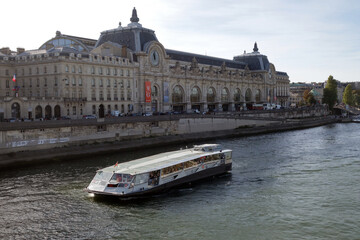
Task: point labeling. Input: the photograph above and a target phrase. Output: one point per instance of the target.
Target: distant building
(127, 69)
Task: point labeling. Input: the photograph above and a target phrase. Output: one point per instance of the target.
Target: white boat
(160, 172)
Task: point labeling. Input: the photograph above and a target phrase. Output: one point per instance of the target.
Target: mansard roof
(254, 60)
(281, 73)
(134, 36)
(61, 40)
(203, 59)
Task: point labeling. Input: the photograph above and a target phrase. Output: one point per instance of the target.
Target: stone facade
(73, 76)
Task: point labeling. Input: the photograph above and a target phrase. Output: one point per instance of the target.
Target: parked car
(64, 118)
(12, 119)
(89, 117)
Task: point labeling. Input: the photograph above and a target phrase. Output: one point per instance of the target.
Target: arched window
(257, 95)
(224, 95)
(211, 94)
(195, 94)
(154, 91)
(38, 112)
(237, 95)
(178, 94)
(48, 111)
(248, 95)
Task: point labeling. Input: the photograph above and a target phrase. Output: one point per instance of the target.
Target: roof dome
(134, 36)
(254, 60)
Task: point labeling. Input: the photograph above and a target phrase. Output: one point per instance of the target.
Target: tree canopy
(309, 97)
(348, 97)
(330, 92)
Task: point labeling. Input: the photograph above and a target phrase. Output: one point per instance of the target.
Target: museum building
(128, 70)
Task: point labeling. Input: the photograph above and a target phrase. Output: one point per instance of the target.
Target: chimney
(5, 51)
(20, 50)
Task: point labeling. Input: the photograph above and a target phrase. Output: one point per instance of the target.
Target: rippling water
(293, 185)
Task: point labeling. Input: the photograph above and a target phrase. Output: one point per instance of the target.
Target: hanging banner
(147, 91)
(166, 92)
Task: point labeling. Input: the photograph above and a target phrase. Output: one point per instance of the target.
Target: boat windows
(141, 178)
(125, 178)
(154, 178)
(172, 169)
(102, 176)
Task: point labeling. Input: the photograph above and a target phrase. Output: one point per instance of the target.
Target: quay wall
(28, 142)
(65, 136)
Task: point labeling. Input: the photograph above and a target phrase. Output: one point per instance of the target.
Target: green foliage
(330, 92)
(306, 94)
(356, 94)
(311, 99)
(348, 97)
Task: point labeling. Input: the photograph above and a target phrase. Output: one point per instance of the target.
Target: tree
(348, 97)
(330, 92)
(311, 99)
(356, 94)
(306, 95)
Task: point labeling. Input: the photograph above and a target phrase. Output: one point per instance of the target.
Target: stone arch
(248, 95)
(178, 94)
(195, 94)
(154, 90)
(38, 112)
(257, 95)
(211, 95)
(237, 95)
(225, 95)
(57, 111)
(48, 112)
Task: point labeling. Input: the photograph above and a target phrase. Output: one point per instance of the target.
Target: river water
(301, 184)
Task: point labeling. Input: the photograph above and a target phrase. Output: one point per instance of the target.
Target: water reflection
(290, 185)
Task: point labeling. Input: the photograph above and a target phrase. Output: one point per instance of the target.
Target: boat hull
(178, 182)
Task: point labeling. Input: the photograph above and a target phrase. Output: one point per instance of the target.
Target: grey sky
(308, 39)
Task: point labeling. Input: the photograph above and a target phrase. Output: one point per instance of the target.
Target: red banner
(147, 91)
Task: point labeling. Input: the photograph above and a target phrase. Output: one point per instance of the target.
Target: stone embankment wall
(22, 142)
(27, 139)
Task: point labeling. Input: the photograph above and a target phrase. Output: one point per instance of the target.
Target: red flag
(116, 164)
(147, 91)
(14, 78)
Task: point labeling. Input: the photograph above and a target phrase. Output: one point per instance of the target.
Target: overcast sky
(309, 40)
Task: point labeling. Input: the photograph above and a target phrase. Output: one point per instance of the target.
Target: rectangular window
(80, 81)
(7, 84)
(74, 110)
(93, 82)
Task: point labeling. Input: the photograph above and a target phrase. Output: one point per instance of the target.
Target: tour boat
(161, 172)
